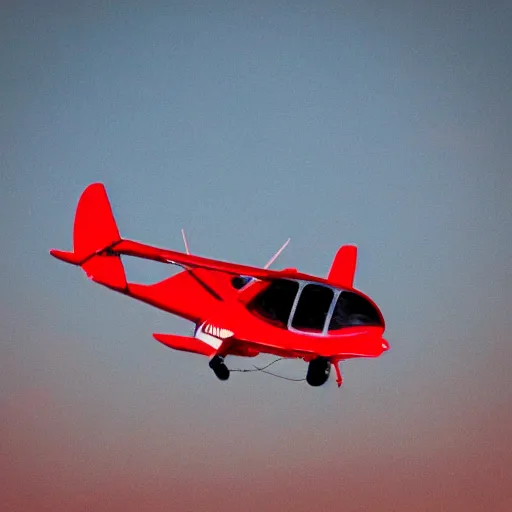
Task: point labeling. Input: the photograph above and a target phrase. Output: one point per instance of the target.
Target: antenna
(271, 260)
(185, 241)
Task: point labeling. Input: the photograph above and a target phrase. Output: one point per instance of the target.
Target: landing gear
(339, 378)
(219, 367)
(318, 371)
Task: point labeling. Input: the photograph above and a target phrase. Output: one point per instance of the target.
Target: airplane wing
(190, 261)
(98, 245)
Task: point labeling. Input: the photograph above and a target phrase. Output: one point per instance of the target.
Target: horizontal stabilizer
(185, 343)
(68, 257)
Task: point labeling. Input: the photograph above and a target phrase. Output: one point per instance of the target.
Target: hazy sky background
(386, 124)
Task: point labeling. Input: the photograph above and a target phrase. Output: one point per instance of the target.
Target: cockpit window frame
(302, 285)
(330, 312)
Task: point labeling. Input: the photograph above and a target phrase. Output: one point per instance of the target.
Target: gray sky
(329, 122)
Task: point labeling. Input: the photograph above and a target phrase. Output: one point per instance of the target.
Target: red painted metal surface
(185, 343)
(343, 267)
(204, 294)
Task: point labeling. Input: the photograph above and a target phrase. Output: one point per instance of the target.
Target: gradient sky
(385, 124)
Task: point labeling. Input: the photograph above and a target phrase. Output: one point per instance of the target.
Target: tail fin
(94, 231)
(343, 267)
(95, 227)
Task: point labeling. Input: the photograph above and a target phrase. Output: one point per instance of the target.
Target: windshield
(351, 310)
(318, 309)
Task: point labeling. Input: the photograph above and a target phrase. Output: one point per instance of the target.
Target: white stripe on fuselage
(218, 332)
(207, 338)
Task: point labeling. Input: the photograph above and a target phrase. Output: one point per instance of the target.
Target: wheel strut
(339, 378)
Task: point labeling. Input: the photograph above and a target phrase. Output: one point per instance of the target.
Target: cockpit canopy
(313, 307)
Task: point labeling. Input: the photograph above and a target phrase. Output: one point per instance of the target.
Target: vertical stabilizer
(343, 267)
(95, 229)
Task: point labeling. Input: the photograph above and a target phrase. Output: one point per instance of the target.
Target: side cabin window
(352, 310)
(238, 282)
(275, 302)
(312, 308)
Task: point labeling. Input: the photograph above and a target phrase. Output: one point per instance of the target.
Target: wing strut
(187, 250)
(276, 255)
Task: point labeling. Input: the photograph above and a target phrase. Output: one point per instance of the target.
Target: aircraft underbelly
(253, 334)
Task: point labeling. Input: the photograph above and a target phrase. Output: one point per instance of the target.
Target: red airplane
(238, 310)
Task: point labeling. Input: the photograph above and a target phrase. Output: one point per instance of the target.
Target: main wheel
(318, 371)
(219, 368)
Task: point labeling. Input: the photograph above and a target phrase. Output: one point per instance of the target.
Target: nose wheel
(318, 371)
(219, 367)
